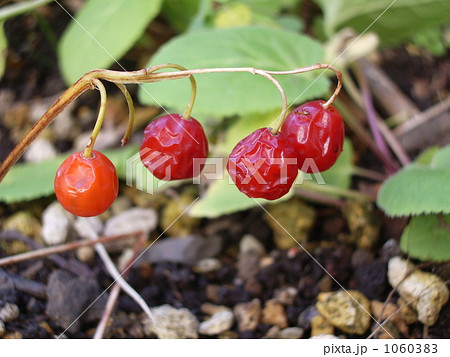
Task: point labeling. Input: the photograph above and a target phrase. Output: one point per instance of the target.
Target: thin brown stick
(62, 248)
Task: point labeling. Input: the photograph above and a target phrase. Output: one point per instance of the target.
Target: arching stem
(147, 75)
(101, 116)
(130, 104)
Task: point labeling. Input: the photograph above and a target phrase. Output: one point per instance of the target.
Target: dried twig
(42, 252)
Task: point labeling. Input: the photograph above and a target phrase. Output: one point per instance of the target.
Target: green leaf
(17, 185)
(392, 21)
(441, 159)
(427, 238)
(227, 94)
(339, 175)
(416, 190)
(180, 12)
(101, 34)
(3, 49)
(223, 197)
(419, 188)
(244, 126)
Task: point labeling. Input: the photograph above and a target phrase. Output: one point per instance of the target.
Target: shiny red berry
(86, 187)
(174, 148)
(263, 165)
(317, 135)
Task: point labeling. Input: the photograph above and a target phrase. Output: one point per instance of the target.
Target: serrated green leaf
(441, 159)
(426, 156)
(101, 34)
(427, 238)
(17, 186)
(223, 197)
(416, 190)
(225, 94)
(393, 21)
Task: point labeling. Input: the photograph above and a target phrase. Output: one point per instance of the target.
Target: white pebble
(132, 220)
(88, 227)
(56, 222)
(40, 150)
(426, 292)
(219, 322)
(9, 312)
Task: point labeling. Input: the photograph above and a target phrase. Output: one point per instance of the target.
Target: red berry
(86, 187)
(316, 133)
(170, 145)
(263, 165)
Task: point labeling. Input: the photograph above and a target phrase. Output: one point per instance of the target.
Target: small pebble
(248, 314)
(407, 312)
(347, 310)
(291, 333)
(426, 292)
(132, 220)
(390, 249)
(9, 312)
(25, 223)
(88, 227)
(274, 314)
(56, 223)
(187, 250)
(2, 329)
(286, 295)
(291, 216)
(85, 254)
(207, 265)
(172, 323)
(228, 335)
(320, 326)
(251, 251)
(324, 337)
(40, 150)
(211, 309)
(129, 221)
(389, 309)
(219, 322)
(306, 316)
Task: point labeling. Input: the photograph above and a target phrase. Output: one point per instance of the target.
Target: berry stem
(130, 104)
(147, 75)
(101, 116)
(187, 112)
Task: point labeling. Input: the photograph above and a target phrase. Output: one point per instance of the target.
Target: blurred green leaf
(339, 175)
(244, 126)
(101, 34)
(180, 12)
(392, 21)
(3, 49)
(227, 94)
(223, 197)
(416, 190)
(17, 186)
(427, 238)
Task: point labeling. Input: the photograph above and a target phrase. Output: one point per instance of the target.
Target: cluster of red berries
(262, 165)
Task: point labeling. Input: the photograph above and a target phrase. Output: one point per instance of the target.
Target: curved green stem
(130, 104)
(147, 75)
(101, 115)
(187, 112)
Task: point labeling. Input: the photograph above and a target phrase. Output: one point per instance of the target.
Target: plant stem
(43, 252)
(131, 115)
(101, 116)
(147, 75)
(20, 8)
